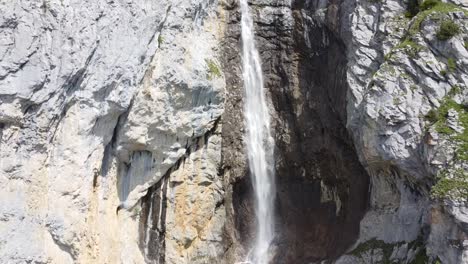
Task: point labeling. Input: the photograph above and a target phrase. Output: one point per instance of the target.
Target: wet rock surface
(348, 95)
(321, 186)
(122, 131)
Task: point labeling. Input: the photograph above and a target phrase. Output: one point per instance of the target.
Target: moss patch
(461, 152)
(388, 248)
(373, 244)
(431, 8)
(213, 69)
(454, 91)
(160, 39)
(408, 46)
(439, 117)
(421, 257)
(453, 185)
(451, 65)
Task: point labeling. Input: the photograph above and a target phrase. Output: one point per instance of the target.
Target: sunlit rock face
(182, 218)
(122, 131)
(350, 98)
(99, 99)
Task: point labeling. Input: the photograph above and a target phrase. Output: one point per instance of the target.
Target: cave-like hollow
(322, 188)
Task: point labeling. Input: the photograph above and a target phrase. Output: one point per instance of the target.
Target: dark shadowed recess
(307, 83)
(152, 227)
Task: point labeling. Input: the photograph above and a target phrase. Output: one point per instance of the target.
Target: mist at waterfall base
(259, 142)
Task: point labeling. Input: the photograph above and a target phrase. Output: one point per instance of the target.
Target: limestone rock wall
(398, 73)
(367, 77)
(98, 100)
(183, 216)
(121, 127)
(322, 188)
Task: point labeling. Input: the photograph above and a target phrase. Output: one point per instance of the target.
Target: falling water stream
(260, 143)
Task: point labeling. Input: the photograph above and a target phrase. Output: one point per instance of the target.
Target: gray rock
(121, 131)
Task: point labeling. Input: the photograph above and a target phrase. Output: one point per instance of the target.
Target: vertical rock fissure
(153, 224)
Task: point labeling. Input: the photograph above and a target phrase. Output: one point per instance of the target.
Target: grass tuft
(213, 69)
(431, 8)
(160, 39)
(451, 185)
(451, 65)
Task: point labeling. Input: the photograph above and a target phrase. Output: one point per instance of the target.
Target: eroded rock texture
(99, 99)
(350, 84)
(322, 188)
(121, 126)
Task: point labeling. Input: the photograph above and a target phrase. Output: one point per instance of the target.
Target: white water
(260, 143)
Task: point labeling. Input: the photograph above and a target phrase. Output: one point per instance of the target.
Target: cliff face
(122, 130)
(99, 101)
(400, 72)
(321, 186)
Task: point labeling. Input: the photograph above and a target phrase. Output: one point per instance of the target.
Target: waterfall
(260, 143)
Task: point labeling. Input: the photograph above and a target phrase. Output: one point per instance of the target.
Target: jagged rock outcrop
(99, 99)
(121, 126)
(388, 109)
(183, 216)
(368, 69)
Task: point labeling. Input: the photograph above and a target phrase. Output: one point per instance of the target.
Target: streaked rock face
(121, 126)
(397, 76)
(321, 186)
(98, 100)
(183, 216)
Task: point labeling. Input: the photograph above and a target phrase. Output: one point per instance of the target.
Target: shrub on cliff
(447, 30)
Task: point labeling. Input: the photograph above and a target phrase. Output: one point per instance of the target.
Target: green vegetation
(408, 46)
(451, 183)
(454, 91)
(429, 7)
(439, 118)
(213, 69)
(388, 248)
(447, 30)
(373, 244)
(451, 65)
(432, 116)
(160, 40)
(452, 186)
(420, 12)
(421, 257)
(136, 211)
(428, 4)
